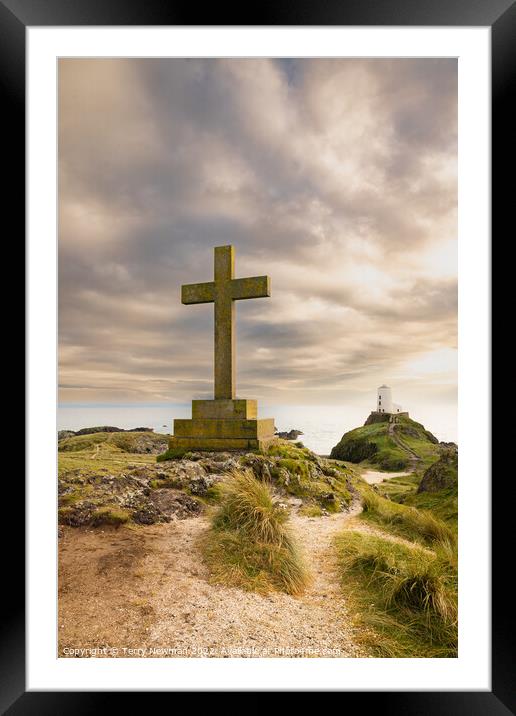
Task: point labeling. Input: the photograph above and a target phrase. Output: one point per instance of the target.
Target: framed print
(287, 489)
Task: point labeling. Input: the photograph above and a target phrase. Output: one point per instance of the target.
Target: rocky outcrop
(128, 441)
(393, 442)
(289, 435)
(377, 418)
(100, 429)
(145, 494)
(180, 488)
(62, 434)
(442, 475)
(354, 450)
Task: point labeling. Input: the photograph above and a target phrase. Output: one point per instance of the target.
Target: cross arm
(253, 287)
(198, 293)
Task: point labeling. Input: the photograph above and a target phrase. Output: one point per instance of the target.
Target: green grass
(124, 442)
(406, 521)
(301, 473)
(287, 450)
(102, 451)
(113, 462)
(405, 596)
(75, 495)
(398, 488)
(250, 545)
(103, 515)
(373, 444)
(172, 454)
(110, 516)
(443, 504)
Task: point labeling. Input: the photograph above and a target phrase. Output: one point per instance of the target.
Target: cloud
(335, 177)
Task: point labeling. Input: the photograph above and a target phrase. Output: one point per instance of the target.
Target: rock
(353, 450)
(62, 434)
(295, 501)
(103, 429)
(201, 484)
(149, 514)
(442, 475)
(289, 434)
(261, 465)
(172, 504)
(145, 444)
(377, 418)
(98, 429)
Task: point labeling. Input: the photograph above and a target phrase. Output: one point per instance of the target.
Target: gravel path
(148, 589)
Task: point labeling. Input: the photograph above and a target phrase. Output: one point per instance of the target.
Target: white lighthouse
(384, 401)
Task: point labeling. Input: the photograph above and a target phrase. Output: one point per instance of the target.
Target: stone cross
(223, 292)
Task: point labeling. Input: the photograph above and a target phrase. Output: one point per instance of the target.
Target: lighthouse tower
(384, 403)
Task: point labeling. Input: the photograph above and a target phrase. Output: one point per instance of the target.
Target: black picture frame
(500, 16)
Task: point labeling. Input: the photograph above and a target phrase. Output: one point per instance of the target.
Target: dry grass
(406, 594)
(410, 522)
(250, 545)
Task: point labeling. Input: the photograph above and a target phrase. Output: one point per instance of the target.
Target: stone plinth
(223, 424)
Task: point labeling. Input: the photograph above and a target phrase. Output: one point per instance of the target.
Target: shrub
(250, 545)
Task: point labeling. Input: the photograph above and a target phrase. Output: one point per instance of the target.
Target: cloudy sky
(337, 178)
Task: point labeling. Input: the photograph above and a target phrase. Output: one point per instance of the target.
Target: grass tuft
(406, 594)
(250, 545)
(109, 516)
(406, 521)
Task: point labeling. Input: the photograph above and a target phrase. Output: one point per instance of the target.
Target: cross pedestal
(227, 422)
(223, 424)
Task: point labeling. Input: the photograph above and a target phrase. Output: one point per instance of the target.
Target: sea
(322, 425)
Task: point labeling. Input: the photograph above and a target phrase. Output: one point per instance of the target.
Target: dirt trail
(147, 588)
(414, 458)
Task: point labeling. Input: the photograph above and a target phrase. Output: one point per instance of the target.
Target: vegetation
(404, 591)
(101, 515)
(405, 595)
(130, 441)
(442, 475)
(391, 447)
(443, 504)
(301, 473)
(250, 545)
(399, 487)
(407, 521)
(110, 516)
(172, 454)
(435, 491)
(311, 511)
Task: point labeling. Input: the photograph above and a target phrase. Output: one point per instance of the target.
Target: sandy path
(374, 477)
(148, 589)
